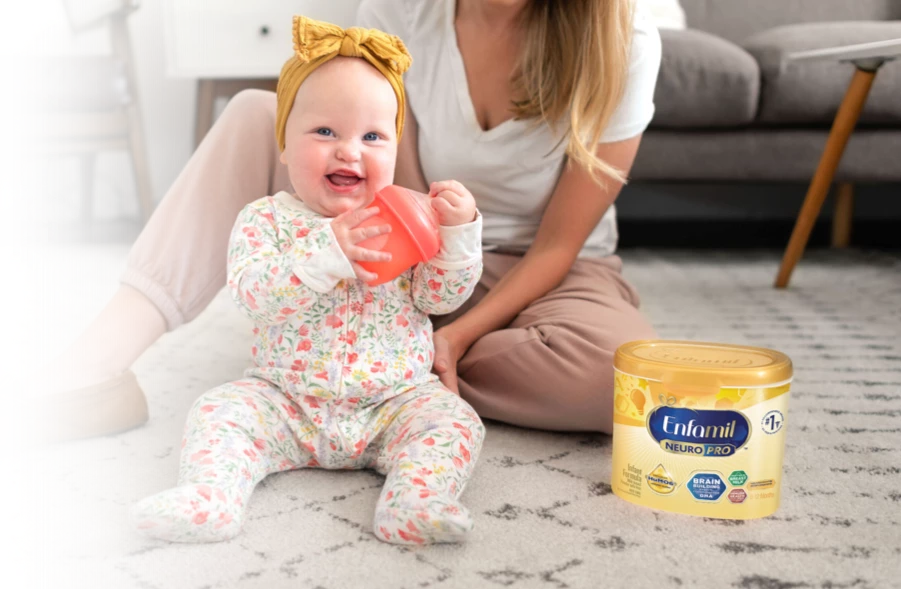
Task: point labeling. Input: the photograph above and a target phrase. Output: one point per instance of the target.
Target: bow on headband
(316, 42)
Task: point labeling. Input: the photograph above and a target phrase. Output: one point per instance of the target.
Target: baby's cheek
(383, 172)
(305, 167)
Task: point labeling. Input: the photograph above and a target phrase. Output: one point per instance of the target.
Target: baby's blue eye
(324, 131)
(371, 137)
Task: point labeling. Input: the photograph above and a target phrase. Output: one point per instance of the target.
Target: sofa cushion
(704, 81)
(809, 92)
(763, 155)
(735, 21)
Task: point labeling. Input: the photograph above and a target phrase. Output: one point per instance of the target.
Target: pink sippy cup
(414, 232)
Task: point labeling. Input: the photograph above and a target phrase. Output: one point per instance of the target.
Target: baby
(342, 376)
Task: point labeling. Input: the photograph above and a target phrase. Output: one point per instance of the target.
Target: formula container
(414, 232)
(699, 428)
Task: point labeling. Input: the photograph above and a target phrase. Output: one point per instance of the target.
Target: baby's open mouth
(344, 179)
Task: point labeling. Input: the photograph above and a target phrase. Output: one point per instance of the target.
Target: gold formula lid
(703, 367)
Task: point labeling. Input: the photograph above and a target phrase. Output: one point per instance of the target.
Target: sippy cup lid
(417, 218)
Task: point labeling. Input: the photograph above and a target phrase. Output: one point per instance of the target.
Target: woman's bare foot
(76, 370)
(123, 330)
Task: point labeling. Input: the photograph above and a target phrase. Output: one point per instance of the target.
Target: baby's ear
(282, 158)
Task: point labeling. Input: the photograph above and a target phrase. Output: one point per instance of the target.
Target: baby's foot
(190, 513)
(438, 521)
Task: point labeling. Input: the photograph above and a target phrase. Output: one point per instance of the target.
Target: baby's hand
(349, 234)
(452, 202)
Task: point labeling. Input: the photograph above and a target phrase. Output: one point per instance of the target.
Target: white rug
(545, 516)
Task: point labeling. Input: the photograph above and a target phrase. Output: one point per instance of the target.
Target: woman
(543, 132)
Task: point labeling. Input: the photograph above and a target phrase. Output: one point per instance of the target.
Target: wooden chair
(97, 108)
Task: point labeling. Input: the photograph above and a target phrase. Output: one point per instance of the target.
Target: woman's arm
(408, 172)
(575, 209)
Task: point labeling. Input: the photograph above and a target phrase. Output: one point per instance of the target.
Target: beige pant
(551, 368)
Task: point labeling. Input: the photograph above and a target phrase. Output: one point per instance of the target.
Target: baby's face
(340, 137)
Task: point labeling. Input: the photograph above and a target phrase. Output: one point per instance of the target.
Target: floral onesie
(342, 380)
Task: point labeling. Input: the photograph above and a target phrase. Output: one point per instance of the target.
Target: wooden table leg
(206, 102)
(137, 141)
(843, 215)
(845, 120)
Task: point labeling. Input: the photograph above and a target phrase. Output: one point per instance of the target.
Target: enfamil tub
(699, 428)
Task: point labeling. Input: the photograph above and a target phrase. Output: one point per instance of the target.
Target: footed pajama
(342, 379)
(425, 440)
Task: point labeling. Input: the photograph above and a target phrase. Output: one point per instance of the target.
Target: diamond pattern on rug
(544, 513)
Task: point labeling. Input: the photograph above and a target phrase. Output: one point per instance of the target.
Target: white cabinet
(240, 38)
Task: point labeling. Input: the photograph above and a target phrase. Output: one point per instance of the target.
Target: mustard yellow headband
(316, 42)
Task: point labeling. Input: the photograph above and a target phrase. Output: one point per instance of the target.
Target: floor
(545, 514)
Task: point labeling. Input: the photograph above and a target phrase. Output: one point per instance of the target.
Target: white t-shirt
(512, 169)
(666, 14)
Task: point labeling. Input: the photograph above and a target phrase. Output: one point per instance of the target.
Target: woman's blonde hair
(575, 63)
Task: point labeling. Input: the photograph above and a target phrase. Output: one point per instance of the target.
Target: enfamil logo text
(699, 432)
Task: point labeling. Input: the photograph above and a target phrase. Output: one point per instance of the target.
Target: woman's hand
(448, 352)
(348, 234)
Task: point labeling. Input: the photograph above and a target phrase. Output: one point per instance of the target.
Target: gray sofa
(729, 107)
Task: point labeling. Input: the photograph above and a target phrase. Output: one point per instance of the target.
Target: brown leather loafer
(112, 406)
